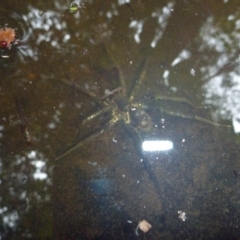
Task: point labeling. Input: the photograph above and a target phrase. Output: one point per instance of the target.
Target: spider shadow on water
(124, 108)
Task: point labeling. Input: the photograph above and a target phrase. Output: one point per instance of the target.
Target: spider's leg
(93, 136)
(120, 72)
(210, 122)
(193, 117)
(176, 99)
(136, 135)
(139, 79)
(98, 113)
(82, 90)
(111, 93)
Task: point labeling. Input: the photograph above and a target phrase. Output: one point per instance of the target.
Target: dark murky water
(69, 65)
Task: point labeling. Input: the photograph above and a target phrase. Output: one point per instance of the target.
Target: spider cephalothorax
(129, 113)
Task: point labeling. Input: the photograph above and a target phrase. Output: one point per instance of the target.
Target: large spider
(124, 108)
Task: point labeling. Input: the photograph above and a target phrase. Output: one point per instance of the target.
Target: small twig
(129, 6)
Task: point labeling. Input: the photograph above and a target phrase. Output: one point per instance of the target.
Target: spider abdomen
(140, 119)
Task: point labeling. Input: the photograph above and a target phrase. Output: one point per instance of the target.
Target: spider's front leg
(116, 65)
(82, 90)
(139, 79)
(110, 94)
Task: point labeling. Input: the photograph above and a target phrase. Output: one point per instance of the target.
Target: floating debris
(74, 7)
(7, 37)
(235, 173)
(182, 215)
(92, 163)
(144, 226)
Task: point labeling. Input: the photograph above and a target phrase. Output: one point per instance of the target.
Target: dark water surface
(120, 60)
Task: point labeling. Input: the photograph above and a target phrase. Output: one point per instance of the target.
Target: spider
(132, 114)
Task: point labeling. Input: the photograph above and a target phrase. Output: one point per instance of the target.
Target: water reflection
(157, 145)
(73, 65)
(222, 76)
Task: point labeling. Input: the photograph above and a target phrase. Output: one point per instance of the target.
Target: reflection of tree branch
(129, 6)
(228, 67)
(179, 31)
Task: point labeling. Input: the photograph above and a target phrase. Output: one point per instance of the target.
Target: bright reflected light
(157, 145)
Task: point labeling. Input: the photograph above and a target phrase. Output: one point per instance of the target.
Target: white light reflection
(151, 146)
(236, 123)
(162, 19)
(184, 55)
(138, 26)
